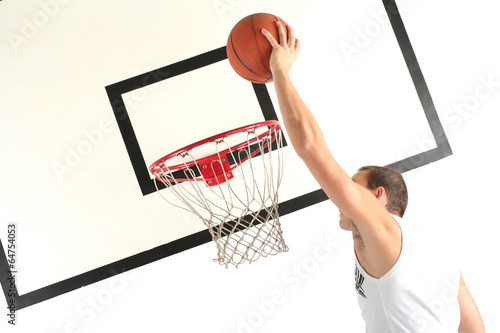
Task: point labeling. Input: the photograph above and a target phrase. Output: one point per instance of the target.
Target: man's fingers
(281, 33)
(291, 38)
(292, 43)
(270, 38)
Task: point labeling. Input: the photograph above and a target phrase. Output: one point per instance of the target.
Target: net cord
(243, 222)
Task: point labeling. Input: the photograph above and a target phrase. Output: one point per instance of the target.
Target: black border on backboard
(115, 91)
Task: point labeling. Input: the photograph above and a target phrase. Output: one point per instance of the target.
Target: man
(403, 283)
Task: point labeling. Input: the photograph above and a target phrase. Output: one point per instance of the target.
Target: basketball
(248, 51)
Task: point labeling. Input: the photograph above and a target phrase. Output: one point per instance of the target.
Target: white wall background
(311, 287)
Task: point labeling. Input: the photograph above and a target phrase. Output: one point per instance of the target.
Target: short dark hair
(393, 183)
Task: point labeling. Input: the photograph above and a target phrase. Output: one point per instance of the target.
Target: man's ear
(381, 195)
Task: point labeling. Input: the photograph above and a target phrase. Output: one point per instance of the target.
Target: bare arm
(470, 318)
(378, 229)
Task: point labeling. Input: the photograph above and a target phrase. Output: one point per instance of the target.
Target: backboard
(87, 107)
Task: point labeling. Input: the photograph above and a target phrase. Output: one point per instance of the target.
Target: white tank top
(418, 294)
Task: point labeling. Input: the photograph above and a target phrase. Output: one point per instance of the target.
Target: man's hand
(285, 52)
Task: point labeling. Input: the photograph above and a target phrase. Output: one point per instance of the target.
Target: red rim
(156, 167)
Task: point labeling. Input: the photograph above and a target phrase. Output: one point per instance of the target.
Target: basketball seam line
(259, 50)
(239, 59)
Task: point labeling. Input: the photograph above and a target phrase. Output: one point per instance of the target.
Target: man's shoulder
(379, 250)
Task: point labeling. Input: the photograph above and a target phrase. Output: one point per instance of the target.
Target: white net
(234, 191)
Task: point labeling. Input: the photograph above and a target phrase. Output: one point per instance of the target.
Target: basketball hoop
(230, 181)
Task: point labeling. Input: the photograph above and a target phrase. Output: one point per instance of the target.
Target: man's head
(386, 184)
(393, 183)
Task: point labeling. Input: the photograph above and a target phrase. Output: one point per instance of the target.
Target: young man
(403, 283)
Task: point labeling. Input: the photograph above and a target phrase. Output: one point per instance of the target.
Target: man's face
(360, 178)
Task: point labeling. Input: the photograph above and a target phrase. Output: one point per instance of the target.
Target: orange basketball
(249, 51)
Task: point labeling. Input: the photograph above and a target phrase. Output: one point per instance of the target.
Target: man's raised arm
(379, 231)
